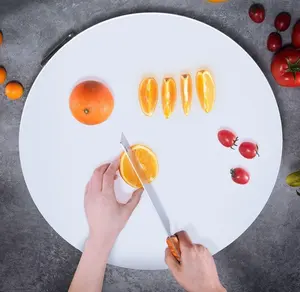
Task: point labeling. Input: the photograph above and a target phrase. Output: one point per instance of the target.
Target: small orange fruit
(91, 102)
(14, 90)
(217, 1)
(2, 75)
(186, 87)
(206, 90)
(1, 37)
(148, 163)
(169, 95)
(148, 95)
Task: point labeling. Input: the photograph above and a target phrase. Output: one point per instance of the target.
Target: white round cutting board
(58, 154)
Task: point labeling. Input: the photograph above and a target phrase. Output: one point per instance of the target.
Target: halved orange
(148, 163)
(148, 95)
(169, 95)
(206, 90)
(186, 87)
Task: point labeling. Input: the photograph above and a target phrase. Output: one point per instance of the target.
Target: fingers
(87, 187)
(135, 199)
(97, 178)
(184, 240)
(171, 262)
(109, 175)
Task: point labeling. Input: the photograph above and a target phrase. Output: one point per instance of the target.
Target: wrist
(101, 244)
(220, 289)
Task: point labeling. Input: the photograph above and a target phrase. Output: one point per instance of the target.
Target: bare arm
(106, 218)
(90, 271)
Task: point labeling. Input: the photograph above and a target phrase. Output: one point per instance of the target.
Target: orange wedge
(206, 90)
(186, 88)
(148, 95)
(148, 162)
(169, 95)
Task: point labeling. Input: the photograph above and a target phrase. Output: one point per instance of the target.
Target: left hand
(106, 216)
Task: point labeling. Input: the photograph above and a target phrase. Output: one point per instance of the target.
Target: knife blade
(172, 240)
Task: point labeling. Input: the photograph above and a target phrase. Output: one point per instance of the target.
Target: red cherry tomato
(240, 176)
(274, 42)
(282, 21)
(227, 138)
(257, 13)
(296, 35)
(249, 150)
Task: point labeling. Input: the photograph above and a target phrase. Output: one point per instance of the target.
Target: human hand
(106, 216)
(197, 271)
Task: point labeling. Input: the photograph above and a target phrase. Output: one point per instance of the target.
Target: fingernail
(116, 160)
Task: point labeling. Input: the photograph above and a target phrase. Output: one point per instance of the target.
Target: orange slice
(206, 90)
(186, 87)
(148, 95)
(169, 95)
(148, 163)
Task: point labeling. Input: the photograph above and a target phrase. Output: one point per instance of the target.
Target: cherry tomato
(282, 21)
(274, 42)
(296, 35)
(249, 150)
(257, 13)
(227, 138)
(240, 176)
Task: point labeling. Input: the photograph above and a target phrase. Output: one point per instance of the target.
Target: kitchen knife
(172, 240)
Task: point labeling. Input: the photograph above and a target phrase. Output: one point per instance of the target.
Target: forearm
(90, 271)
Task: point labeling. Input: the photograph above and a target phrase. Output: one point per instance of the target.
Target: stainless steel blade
(147, 187)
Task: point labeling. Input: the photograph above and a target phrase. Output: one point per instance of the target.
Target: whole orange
(91, 102)
(2, 75)
(1, 37)
(14, 90)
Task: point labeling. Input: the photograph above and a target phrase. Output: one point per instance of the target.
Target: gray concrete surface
(34, 258)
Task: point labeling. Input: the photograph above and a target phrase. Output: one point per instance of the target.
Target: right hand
(197, 271)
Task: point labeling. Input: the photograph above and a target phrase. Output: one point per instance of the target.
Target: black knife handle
(56, 47)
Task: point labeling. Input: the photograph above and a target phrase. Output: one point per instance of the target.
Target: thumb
(171, 262)
(135, 199)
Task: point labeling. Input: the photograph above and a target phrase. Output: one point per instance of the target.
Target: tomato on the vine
(249, 150)
(227, 138)
(285, 67)
(240, 176)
